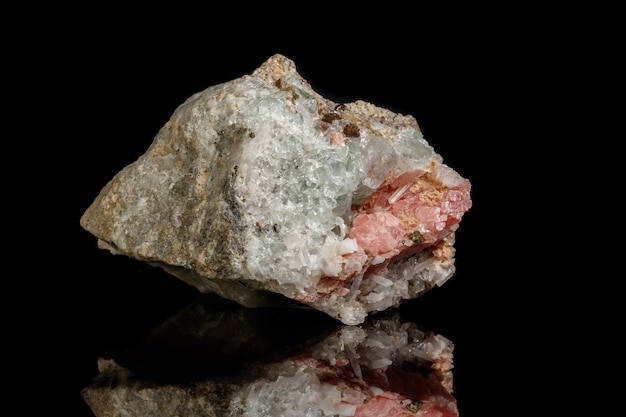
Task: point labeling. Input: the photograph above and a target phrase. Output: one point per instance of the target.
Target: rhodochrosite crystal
(260, 186)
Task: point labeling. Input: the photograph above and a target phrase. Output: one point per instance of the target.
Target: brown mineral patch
(330, 117)
(351, 130)
(442, 251)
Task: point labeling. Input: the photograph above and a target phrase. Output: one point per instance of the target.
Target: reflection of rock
(261, 186)
(238, 362)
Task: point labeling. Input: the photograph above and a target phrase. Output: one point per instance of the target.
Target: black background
(99, 89)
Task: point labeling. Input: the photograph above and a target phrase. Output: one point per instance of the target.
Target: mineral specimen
(206, 362)
(260, 187)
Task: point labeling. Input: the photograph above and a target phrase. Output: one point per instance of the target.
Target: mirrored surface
(214, 357)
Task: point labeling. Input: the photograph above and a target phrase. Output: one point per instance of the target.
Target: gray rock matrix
(262, 191)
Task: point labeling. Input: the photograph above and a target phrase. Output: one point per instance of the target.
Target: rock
(241, 362)
(262, 191)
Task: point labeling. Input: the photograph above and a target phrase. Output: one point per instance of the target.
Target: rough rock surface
(260, 187)
(250, 363)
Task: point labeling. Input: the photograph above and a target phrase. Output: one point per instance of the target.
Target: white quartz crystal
(253, 187)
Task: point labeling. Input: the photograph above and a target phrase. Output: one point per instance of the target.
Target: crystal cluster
(260, 187)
